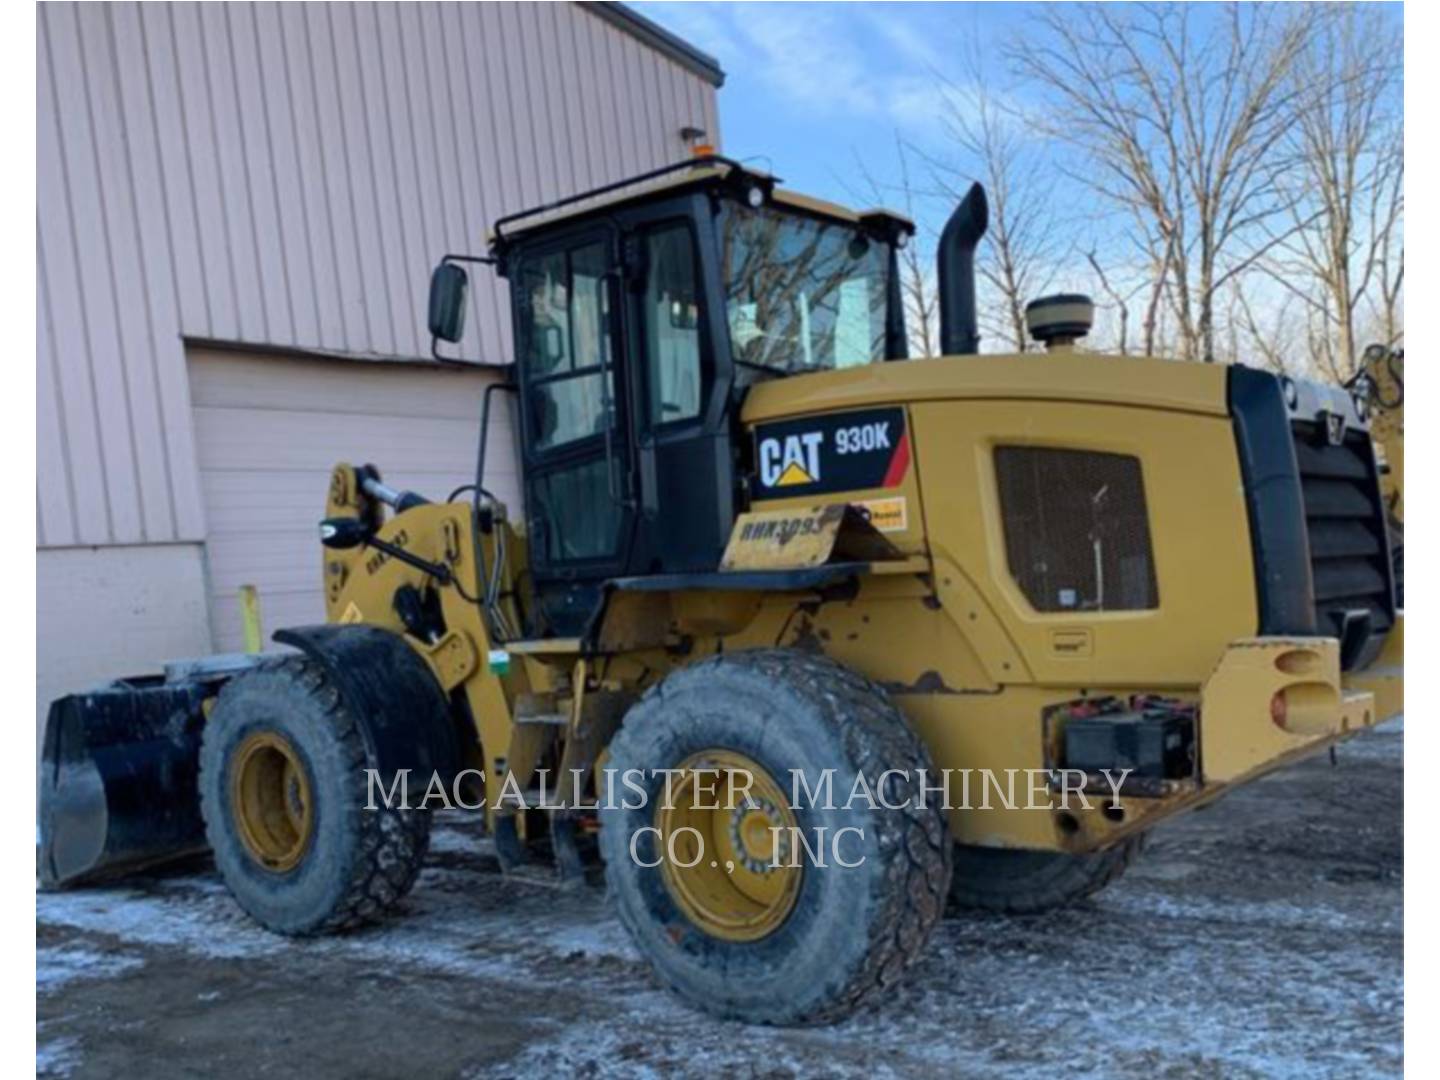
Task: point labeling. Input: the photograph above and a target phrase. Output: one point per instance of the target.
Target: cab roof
(698, 171)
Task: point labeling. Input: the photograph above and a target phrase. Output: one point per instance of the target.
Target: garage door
(270, 429)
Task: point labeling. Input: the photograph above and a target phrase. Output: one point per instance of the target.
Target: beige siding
(271, 428)
(155, 592)
(287, 174)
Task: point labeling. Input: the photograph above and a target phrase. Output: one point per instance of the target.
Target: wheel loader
(804, 641)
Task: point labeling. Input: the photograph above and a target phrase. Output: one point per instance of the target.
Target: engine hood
(1080, 377)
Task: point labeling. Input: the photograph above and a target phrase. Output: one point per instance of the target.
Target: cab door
(574, 422)
(686, 472)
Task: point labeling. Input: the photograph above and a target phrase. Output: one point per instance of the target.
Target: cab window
(566, 345)
(672, 326)
(801, 293)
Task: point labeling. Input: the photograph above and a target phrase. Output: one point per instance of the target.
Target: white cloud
(820, 59)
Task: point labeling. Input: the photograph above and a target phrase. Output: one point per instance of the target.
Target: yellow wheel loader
(804, 640)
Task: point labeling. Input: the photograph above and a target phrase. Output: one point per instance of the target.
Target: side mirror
(448, 286)
(343, 533)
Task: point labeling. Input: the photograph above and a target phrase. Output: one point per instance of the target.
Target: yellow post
(250, 616)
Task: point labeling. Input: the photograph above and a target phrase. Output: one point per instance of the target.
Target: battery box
(1153, 737)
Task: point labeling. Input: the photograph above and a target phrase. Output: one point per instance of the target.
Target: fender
(404, 715)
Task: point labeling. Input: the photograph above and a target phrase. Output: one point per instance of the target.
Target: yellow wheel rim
(270, 800)
(741, 886)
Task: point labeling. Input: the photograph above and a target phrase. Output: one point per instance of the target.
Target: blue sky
(813, 89)
(811, 85)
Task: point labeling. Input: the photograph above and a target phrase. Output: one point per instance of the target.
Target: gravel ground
(1259, 937)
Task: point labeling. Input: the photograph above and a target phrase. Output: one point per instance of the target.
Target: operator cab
(642, 311)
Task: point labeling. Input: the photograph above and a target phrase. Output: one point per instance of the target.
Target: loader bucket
(118, 784)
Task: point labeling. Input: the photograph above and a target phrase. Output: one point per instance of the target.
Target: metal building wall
(286, 175)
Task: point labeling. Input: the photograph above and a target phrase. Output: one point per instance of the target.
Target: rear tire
(845, 933)
(330, 863)
(1015, 882)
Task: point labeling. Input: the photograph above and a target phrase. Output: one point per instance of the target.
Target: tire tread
(876, 736)
(393, 842)
(1056, 882)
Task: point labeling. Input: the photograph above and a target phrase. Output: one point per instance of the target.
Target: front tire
(807, 946)
(283, 792)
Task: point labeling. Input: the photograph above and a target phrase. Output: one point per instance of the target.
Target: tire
(1029, 882)
(352, 864)
(851, 931)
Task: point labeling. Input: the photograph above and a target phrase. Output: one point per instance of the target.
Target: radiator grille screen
(1077, 535)
(1349, 547)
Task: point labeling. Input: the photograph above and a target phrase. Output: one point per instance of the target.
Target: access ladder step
(556, 719)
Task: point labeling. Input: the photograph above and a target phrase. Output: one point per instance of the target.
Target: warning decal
(851, 451)
(887, 515)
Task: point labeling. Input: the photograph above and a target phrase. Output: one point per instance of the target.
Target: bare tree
(1133, 272)
(1179, 116)
(1266, 331)
(1392, 281)
(916, 263)
(1118, 297)
(917, 282)
(995, 145)
(1348, 143)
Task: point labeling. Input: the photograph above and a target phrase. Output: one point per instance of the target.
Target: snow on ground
(57, 967)
(1259, 937)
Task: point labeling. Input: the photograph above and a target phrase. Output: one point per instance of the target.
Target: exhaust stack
(959, 332)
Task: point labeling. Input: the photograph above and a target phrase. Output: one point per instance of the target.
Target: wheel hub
(732, 875)
(270, 801)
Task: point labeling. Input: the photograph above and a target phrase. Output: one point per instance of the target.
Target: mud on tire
(358, 863)
(852, 931)
(1027, 882)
